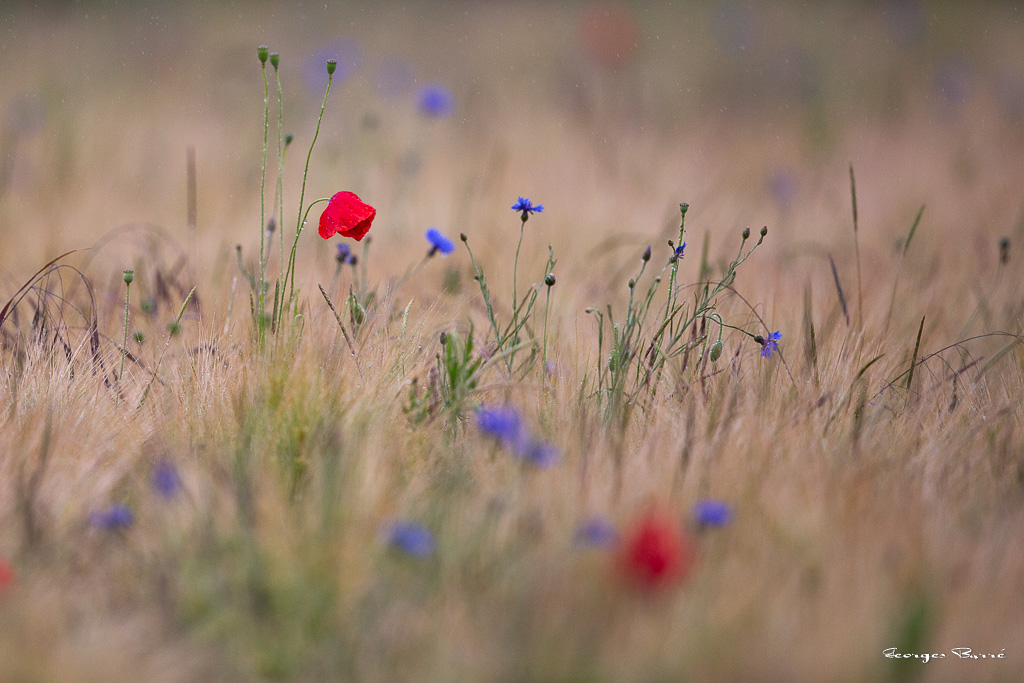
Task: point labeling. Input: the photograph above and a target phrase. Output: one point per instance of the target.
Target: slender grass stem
(129, 275)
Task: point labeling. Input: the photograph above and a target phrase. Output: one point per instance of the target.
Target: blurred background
(441, 114)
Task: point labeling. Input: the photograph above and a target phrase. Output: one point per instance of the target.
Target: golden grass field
(871, 509)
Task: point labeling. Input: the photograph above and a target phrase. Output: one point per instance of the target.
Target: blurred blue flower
(411, 538)
(770, 344)
(25, 115)
(712, 513)
(680, 250)
(782, 185)
(734, 26)
(527, 207)
(503, 424)
(436, 101)
(595, 533)
(538, 453)
(1009, 90)
(344, 254)
(117, 516)
(346, 51)
(439, 242)
(394, 77)
(906, 21)
(954, 77)
(165, 479)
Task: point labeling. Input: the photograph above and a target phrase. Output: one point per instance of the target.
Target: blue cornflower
(595, 533)
(439, 243)
(344, 255)
(503, 424)
(117, 516)
(411, 538)
(538, 453)
(712, 513)
(770, 344)
(436, 101)
(165, 479)
(680, 249)
(527, 207)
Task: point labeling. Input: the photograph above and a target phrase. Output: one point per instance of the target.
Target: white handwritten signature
(958, 652)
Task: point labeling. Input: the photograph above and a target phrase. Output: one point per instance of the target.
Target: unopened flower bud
(647, 255)
(332, 64)
(683, 206)
(262, 51)
(716, 350)
(288, 139)
(632, 283)
(746, 233)
(549, 279)
(764, 231)
(275, 59)
(1004, 250)
(462, 236)
(444, 338)
(129, 276)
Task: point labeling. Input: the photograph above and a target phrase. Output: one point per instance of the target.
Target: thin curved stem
(289, 276)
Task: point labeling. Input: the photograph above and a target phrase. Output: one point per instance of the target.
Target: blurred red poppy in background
(656, 552)
(346, 214)
(6, 574)
(609, 34)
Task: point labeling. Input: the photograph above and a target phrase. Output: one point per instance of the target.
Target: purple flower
(439, 243)
(436, 101)
(527, 207)
(345, 255)
(595, 533)
(712, 513)
(770, 344)
(411, 538)
(118, 516)
(165, 479)
(503, 424)
(538, 453)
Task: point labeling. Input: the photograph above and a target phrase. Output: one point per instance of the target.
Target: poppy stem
(280, 162)
(290, 273)
(263, 189)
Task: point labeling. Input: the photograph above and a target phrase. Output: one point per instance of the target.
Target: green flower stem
(263, 190)
(515, 275)
(280, 162)
(290, 273)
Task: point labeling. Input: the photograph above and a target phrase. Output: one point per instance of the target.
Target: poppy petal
(347, 214)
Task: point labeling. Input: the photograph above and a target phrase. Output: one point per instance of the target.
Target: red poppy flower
(6, 574)
(656, 553)
(346, 214)
(609, 34)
